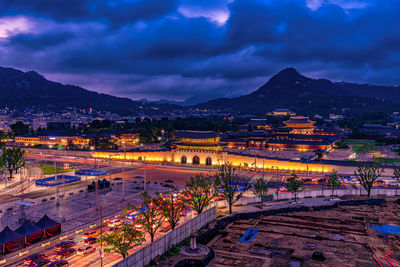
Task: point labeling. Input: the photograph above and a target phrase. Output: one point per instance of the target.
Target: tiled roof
(196, 134)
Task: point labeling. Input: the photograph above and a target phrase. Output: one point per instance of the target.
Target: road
(93, 259)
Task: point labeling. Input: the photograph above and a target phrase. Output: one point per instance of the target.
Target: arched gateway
(183, 159)
(196, 160)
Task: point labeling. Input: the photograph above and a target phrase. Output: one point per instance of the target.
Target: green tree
(122, 240)
(333, 181)
(367, 173)
(148, 215)
(171, 207)
(12, 159)
(199, 192)
(232, 187)
(294, 185)
(396, 176)
(260, 189)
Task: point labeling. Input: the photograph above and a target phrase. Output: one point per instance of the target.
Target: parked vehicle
(65, 253)
(58, 263)
(34, 257)
(90, 234)
(392, 183)
(90, 240)
(63, 245)
(84, 250)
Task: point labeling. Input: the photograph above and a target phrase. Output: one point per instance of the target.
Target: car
(307, 180)
(63, 245)
(392, 183)
(112, 229)
(90, 240)
(354, 181)
(34, 257)
(114, 223)
(65, 253)
(380, 182)
(282, 189)
(90, 234)
(38, 263)
(58, 263)
(84, 250)
(321, 181)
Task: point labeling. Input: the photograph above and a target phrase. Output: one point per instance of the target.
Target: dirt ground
(343, 235)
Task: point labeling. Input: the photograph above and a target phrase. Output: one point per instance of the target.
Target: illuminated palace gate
(199, 157)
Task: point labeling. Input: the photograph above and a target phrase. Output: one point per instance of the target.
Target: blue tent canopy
(386, 229)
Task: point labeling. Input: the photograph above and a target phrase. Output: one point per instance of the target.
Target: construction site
(341, 234)
(337, 237)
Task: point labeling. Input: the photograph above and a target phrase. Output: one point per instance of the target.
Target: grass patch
(48, 169)
(386, 160)
(357, 148)
(175, 249)
(359, 142)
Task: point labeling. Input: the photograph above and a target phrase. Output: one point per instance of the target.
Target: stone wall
(143, 256)
(317, 193)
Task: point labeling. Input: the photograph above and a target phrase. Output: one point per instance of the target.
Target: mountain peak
(287, 76)
(288, 73)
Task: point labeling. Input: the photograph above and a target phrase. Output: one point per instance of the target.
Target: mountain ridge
(289, 88)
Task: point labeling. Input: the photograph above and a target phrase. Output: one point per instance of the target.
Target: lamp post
(144, 176)
(276, 167)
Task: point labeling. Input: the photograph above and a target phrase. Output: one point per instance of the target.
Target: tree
(232, 187)
(71, 144)
(199, 192)
(333, 181)
(148, 215)
(260, 189)
(19, 128)
(122, 240)
(396, 175)
(171, 207)
(367, 173)
(12, 159)
(294, 185)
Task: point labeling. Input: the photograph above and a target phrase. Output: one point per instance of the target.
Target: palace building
(300, 125)
(298, 134)
(198, 147)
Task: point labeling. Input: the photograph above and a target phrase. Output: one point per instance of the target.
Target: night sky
(199, 48)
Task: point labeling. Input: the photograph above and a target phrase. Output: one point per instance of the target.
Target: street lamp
(277, 168)
(144, 176)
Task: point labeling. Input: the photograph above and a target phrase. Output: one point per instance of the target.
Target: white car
(354, 181)
(114, 223)
(84, 250)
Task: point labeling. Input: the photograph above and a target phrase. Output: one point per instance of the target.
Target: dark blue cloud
(184, 48)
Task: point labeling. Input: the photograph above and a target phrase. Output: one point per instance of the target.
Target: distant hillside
(29, 89)
(290, 89)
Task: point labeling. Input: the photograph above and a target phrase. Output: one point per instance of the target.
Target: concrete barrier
(143, 256)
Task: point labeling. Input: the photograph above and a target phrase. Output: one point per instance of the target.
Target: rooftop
(196, 134)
